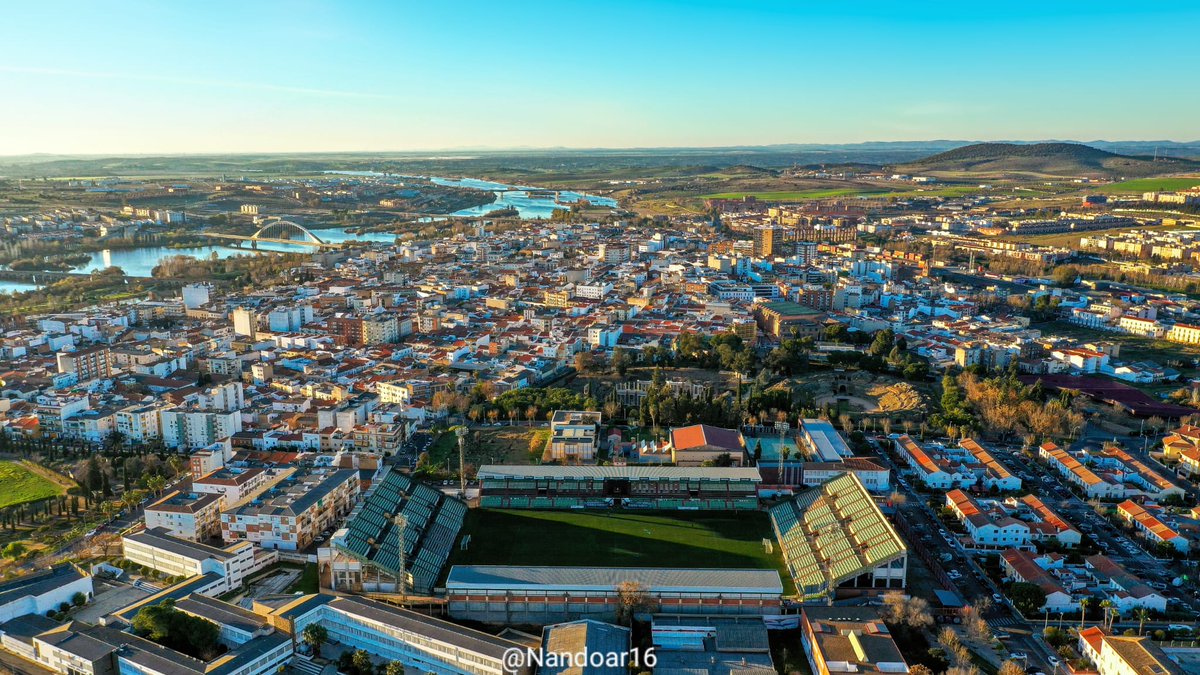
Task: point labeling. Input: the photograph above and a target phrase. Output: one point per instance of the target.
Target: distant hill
(1053, 159)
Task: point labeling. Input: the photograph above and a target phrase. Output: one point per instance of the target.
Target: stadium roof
(625, 472)
(659, 580)
(833, 533)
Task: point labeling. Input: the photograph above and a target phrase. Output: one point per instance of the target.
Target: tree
(632, 598)
(919, 669)
(1008, 668)
(906, 611)
(1109, 613)
(14, 550)
(362, 662)
(156, 484)
(162, 623)
(977, 627)
(1142, 615)
(584, 361)
(78, 599)
(1027, 598)
(1065, 275)
(396, 668)
(314, 636)
(620, 361)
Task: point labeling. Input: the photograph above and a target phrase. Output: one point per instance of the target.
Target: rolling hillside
(1050, 159)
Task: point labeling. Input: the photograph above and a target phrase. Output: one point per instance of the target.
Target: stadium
(567, 530)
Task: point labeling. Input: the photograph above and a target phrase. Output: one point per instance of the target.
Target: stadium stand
(431, 525)
(635, 487)
(835, 538)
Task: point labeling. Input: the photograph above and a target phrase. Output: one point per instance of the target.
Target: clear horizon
(145, 78)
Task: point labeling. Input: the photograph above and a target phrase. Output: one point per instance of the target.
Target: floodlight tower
(461, 432)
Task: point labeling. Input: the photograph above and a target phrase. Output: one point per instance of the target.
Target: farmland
(1140, 185)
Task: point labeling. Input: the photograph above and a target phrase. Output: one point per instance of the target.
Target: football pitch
(680, 539)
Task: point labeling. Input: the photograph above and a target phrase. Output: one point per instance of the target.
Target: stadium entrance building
(631, 487)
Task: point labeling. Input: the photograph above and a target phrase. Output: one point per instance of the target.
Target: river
(139, 262)
(15, 286)
(507, 196)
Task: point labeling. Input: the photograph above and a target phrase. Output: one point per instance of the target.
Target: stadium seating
(432, 522)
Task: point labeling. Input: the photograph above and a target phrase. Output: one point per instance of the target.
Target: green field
(801, 195)
(682, 539)
(19, 484)
(1140, 185)
(797, 195)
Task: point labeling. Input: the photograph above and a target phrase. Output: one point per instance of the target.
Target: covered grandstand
(631, 487)
(371, 538)
(835, 538)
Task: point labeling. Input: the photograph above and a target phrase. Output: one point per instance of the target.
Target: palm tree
(1142, 614)
(1083, 605)
(176, 463)
(132, 498)
(531, 414)
(1107, 606)
(156, 484)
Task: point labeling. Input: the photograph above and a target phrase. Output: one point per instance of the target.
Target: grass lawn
(680, 539)
(20, 483)
(1151, 185)
(308, 582)
(445, 445)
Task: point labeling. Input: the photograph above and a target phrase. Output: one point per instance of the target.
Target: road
(969, 579)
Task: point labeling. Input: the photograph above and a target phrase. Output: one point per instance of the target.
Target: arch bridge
(278, 232)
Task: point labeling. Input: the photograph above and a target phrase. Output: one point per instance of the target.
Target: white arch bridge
(277, 232)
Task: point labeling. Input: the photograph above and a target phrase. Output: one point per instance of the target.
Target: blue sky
(257, 75)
